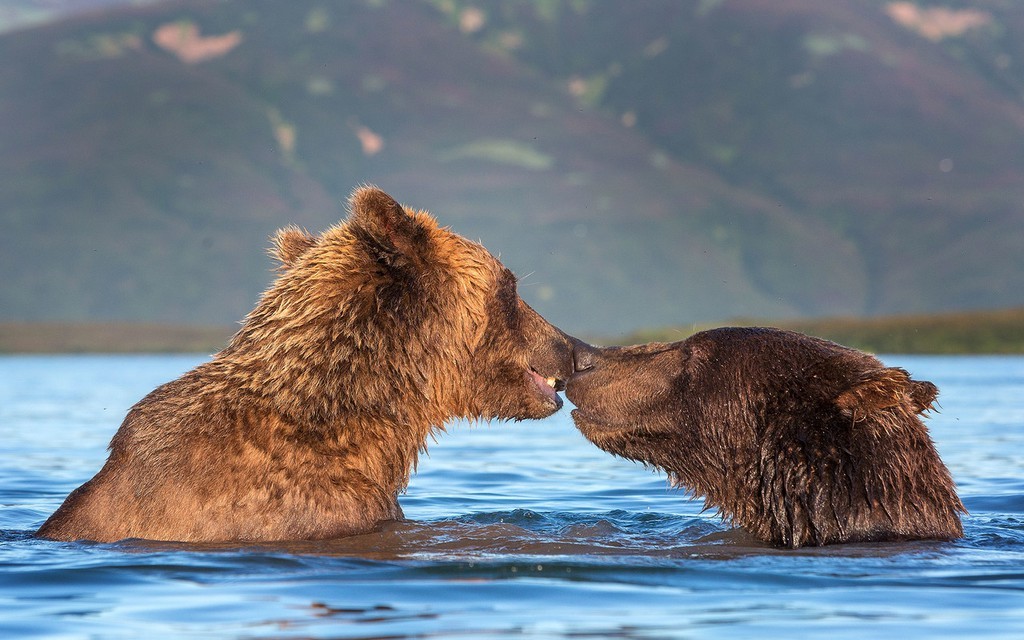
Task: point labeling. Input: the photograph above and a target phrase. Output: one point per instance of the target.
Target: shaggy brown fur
(309, 423)
(798, 440)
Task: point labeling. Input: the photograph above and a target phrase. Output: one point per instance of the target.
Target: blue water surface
(513, 530)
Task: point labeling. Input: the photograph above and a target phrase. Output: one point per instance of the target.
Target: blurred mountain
(638, 164)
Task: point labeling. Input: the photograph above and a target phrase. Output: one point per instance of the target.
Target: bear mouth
(548, 386)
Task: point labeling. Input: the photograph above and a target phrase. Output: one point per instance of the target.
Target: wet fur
(798, 440)
(309, 423)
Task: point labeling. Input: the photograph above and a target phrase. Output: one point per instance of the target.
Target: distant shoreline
(969, 332)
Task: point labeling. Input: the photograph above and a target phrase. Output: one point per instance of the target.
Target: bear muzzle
(547, 386)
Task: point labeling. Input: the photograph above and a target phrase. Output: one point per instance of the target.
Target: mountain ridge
(143, 187)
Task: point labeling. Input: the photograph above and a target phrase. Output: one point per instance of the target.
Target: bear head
(388, 315)
(799, 440)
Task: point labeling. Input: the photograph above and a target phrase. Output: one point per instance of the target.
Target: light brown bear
(308, 425)
(798, 440)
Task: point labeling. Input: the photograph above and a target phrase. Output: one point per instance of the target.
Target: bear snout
(583, 356)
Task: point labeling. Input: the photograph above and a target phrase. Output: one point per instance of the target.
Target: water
(514, 530)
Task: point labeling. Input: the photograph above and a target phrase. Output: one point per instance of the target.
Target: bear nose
(583, 356)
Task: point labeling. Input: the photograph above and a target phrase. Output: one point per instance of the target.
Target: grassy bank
(978, 332)
(114, 337)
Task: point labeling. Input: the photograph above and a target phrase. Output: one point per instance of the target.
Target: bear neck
(345, 414)
(817, 493)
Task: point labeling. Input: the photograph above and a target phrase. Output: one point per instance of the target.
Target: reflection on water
(513, 529)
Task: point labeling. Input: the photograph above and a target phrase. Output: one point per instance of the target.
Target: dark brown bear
(798, 440)
(308, 424)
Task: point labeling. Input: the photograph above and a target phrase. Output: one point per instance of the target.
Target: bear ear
(883, 388)
(289, 244)
(378, 214)
(923, 395)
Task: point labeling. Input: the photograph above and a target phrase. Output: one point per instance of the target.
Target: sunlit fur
(798, 440)
(308, 424)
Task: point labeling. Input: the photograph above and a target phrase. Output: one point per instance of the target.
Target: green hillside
(638, 165)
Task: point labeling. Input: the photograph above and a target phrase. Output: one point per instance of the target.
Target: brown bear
(798, 440)
(308, 424)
